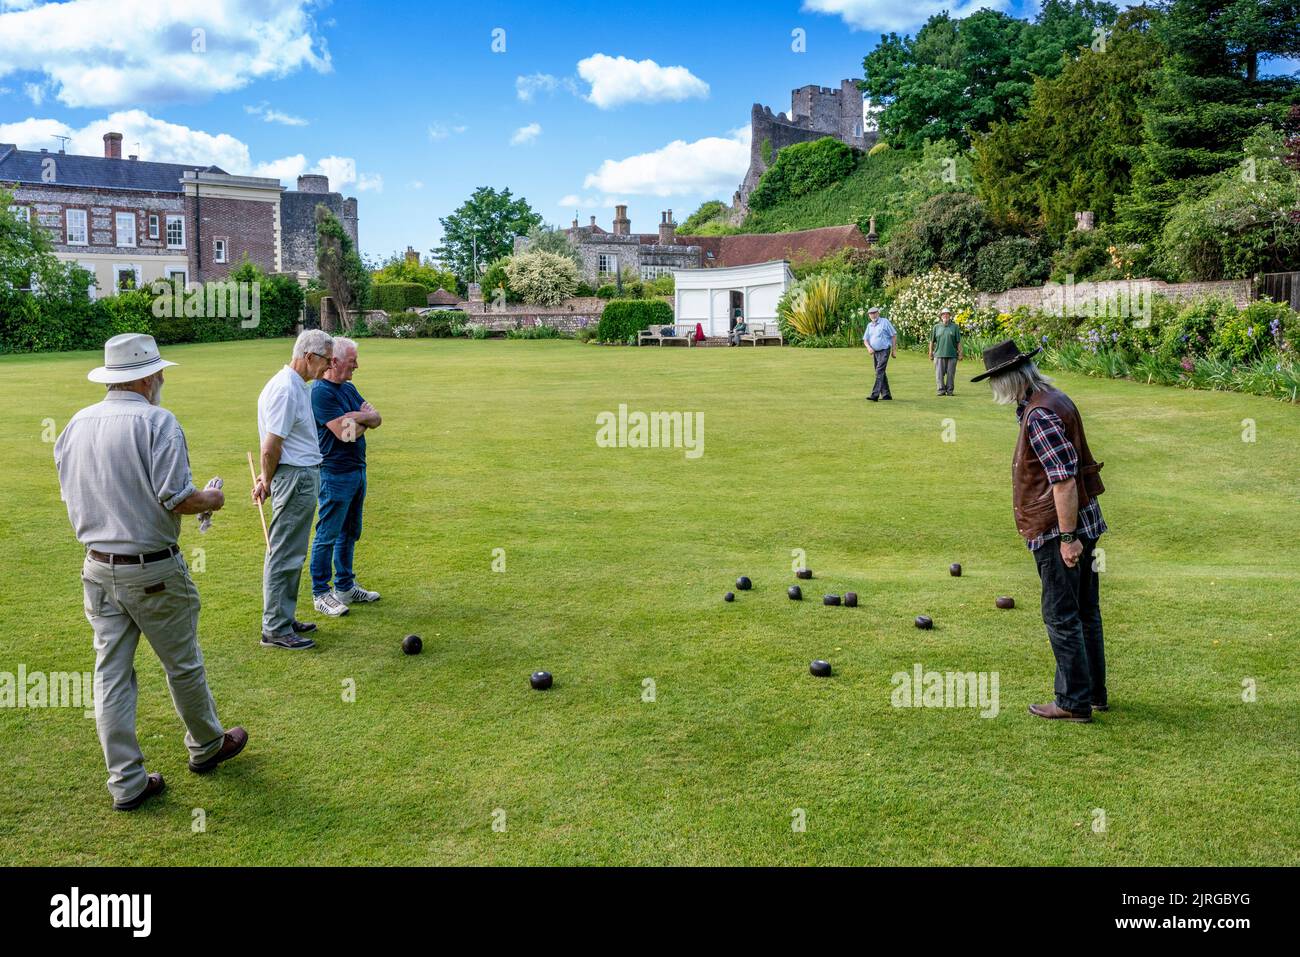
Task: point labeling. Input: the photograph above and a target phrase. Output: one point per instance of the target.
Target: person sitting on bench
(738, 330)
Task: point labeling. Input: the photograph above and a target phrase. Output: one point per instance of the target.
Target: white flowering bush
(542, 278)
(916, 309)
(404, 331)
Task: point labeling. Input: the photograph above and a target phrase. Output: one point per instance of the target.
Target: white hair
(313, 340)
(1011, 386)
(343, 342)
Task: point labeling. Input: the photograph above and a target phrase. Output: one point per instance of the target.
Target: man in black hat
(1055, 482)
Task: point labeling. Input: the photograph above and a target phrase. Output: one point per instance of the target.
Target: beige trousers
(159, 600)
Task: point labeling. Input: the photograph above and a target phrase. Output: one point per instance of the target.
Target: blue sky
(408, 107)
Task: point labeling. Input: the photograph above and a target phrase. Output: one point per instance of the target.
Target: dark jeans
(1072, 614)
(881, 388)
(338, 526)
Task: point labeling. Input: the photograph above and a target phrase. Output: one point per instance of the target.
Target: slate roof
(441, 297)
(99, 172)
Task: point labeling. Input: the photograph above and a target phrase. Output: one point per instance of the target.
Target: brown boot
(231, 745)
(1052, 712)
(153, 785)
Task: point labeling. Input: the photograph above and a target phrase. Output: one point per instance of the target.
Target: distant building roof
(27, 166)
(802, 246)
(441, 297)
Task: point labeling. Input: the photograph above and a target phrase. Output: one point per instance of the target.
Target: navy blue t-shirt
(328, 402)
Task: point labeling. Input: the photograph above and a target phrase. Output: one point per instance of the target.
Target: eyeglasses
(321, 355)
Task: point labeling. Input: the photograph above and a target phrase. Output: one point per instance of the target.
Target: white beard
(155, 397)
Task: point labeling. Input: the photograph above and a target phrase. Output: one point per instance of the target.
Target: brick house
(606, 254)
(131, 223)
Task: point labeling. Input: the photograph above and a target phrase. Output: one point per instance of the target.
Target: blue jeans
(338, 526)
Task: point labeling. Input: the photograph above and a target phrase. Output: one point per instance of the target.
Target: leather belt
(108, 559)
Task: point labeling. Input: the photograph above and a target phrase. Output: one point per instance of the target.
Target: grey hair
(1011, 386)
(313, 340)
(343, 342)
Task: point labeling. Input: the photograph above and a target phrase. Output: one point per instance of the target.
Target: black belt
(108, 559)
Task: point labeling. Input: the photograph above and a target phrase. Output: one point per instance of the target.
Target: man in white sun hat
(124, 474)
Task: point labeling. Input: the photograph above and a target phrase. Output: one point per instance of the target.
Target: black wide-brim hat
(1005, 355)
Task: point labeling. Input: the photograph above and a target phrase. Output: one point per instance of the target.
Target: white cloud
(526, 134)
(527, 87)
(165, 142)
(35, 92)
(269, 115)
(440, 131)
(585, 202)
(678, 169)
(885, 15)
(618, 80)
(114, 52)
(416, 184)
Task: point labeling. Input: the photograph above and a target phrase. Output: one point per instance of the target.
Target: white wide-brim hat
(130, 356)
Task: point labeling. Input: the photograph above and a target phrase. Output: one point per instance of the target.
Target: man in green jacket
(945, 351)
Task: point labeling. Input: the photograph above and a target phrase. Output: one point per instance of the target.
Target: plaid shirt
(1060, 460)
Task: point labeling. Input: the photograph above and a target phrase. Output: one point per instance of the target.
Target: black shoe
(231, 744)
(873, 398)
(290, 642)
(1100, 707)
(888, 398)
(302, 627)
(153, 786)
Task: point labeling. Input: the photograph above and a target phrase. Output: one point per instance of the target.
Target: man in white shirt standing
(290, 476)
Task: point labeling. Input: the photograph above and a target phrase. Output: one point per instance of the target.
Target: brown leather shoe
(234, 742)
(1052, 712)
(153, 786)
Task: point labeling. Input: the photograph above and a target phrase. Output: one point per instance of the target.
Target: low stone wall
(569, 316)
(1083, 297)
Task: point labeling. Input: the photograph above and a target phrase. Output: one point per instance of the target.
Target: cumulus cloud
(885, 15)
(678, 169)
(526, 134)
(574, 201)
(101, 53)
(270, 115)
(527, 87)
(618, 80)
(440, 131)
(165, 142)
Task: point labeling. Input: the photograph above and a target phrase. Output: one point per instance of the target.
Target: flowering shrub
(542, 278)
(917, 307)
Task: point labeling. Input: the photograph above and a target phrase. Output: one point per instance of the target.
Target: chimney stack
(113, 146)
(593, 221)
(575, 221)
(622, 225)
(667, 229)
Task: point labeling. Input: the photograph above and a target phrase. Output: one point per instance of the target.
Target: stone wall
(49, 202)
(298, 226)
(1082, 296)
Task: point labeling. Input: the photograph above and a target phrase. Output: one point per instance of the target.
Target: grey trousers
(159, 600)
(293, 504)
(945, 371)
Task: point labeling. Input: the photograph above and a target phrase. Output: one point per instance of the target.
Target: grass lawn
(616, 563)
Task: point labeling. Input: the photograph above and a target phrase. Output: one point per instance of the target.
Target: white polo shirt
(284, 409)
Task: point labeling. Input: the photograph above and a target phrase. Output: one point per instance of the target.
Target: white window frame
(181, 221)
(654, 272)
(121, 267)
(601, 258)
(153, 226)
(219, 244)
(23, 213)
(125, 238)
(67, 228)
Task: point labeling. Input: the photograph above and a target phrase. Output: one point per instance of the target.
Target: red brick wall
(247, 226)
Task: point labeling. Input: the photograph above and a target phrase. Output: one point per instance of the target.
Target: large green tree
(1074, 148)
(957, 77)
(483, 229)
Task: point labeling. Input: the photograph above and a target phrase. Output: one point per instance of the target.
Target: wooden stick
(265, 534)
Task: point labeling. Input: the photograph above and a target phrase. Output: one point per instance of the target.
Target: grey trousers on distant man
(294, 489)
(945, 372)
(160, 600)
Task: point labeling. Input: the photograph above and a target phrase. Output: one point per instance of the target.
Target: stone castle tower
(298, 221)
(815, 112)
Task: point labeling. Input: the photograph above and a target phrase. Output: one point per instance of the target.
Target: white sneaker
(356, 594)
(327, 604)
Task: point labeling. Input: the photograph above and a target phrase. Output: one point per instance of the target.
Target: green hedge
(622, 319)
(803, 168)
(396, 296)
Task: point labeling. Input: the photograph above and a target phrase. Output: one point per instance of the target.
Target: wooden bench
(656, 335)
(761, 333)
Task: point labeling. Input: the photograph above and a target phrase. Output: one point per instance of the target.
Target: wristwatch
(1068, 537)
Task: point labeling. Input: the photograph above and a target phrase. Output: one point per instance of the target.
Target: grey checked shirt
(123, 466)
